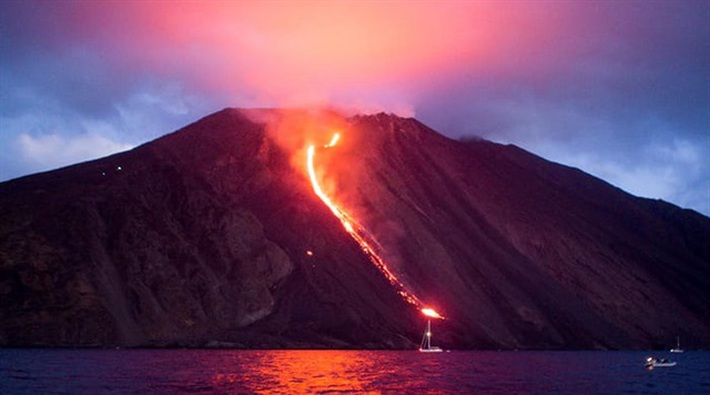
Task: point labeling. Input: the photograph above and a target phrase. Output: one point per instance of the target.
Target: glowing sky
(620, 89)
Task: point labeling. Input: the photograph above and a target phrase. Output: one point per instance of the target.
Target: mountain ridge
(201, 238)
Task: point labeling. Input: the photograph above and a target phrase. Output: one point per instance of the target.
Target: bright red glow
(292, 372)
(317, 52)
(359, 234)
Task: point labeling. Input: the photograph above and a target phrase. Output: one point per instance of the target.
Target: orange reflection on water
(304, 372)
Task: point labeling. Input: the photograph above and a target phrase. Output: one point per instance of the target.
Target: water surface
(40, 371)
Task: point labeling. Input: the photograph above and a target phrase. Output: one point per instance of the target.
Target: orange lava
(360, 235)
(431, 313)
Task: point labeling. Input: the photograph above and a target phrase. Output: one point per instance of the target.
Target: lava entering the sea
(361, 236)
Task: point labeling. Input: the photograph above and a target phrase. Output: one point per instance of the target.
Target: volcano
(212, 236)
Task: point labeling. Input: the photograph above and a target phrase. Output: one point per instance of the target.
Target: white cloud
(653, 182)
(670, 170)
(48, 151)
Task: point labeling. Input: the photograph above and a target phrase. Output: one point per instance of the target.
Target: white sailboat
(425, 345)
(677, 348)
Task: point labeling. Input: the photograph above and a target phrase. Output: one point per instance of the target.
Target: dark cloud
(624, 95)
(620, 89)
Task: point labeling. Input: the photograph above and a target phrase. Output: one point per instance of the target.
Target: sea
(150, 371)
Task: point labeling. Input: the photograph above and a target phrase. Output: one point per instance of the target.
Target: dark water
(395, 372)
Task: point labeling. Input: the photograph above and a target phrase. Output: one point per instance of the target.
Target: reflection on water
(300, 372)
(308, 372)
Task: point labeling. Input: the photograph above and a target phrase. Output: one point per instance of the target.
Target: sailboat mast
(428, 334)
(426, 346)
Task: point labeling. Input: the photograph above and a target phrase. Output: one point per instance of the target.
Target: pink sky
(303, 52)
(619, 89)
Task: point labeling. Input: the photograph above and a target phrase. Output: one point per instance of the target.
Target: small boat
(658, 363)
(425, 345)
(677, 348)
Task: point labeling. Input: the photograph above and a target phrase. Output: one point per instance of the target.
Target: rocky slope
(210, 236)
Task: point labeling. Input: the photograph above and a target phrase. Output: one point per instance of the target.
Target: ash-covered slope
(199, 238)
(202, 237)
(521, 252)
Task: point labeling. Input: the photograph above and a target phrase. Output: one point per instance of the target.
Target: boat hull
(661, 365)
(658, 363)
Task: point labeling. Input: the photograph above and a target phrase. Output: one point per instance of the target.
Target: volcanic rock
(212, 237)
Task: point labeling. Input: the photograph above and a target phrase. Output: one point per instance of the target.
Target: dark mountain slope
(201, 237)
(524, 252)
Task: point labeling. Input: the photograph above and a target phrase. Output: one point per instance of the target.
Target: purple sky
(620, 89)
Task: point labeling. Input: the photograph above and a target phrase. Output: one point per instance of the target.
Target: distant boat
(425, 345)
(677, 348)
(658, 363)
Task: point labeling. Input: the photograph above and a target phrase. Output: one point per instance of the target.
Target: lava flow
(358, 232)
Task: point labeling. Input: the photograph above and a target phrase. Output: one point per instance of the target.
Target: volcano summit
(213, 236)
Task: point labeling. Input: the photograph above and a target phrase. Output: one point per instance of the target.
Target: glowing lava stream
(357, 232)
